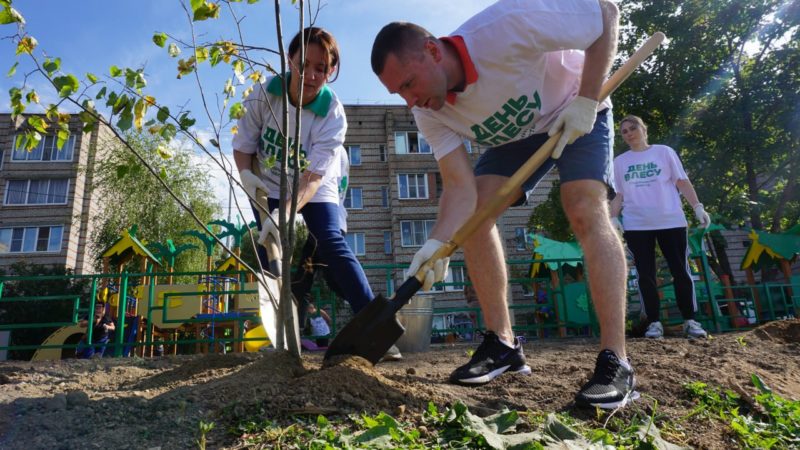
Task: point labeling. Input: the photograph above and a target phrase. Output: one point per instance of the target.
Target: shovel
(376, 328)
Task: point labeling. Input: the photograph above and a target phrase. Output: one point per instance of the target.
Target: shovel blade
(370, 333)
(375, 328)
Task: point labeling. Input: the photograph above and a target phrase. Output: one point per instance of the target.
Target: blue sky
(92, 35)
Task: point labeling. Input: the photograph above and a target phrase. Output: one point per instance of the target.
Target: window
(37, 192)
(455, 275)
(412, 185)
(382, 153)
(354, 152)
(410, 142)
(2, 152)
(352, 200)
(385, 196)
(387, 242)
(46, 151)
(414, 233)
(356, 243)
(522, 238)
(31, 239)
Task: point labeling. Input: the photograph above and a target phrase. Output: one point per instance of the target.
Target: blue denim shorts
(590, 157)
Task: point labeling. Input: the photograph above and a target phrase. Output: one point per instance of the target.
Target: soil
(158, 403)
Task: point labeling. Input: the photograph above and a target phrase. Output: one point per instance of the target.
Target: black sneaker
(612, 385)
(490, 360)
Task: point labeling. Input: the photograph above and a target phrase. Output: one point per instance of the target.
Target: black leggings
(674, 247)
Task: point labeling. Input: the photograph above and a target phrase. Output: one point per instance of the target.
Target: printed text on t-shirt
(505, 124)
(272, 144)
(642, 171)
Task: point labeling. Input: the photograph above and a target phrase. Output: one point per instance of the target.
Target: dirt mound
(786, 331)
(145, 403)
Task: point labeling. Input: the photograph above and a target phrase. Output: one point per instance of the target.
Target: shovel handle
(511, 185)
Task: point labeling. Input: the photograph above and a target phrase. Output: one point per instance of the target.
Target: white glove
(439, 270)
(702, 215)
(270, 227)
(576, 119)
(250, 182)
(617, 224)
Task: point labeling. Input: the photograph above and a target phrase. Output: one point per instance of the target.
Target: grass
(765, 421)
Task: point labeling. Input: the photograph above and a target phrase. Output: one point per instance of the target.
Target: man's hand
(439, 270)
(270, 227)
(576, 119)
(702, 215)
(250, 182)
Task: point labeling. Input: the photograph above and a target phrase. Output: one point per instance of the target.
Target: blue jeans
(328, 249)
(86, 351)
(590, 157)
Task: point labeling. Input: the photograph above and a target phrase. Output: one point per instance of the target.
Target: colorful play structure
(563, 301)
(219, 312)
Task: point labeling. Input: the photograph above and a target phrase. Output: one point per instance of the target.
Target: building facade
(392, 202)
(48, 204)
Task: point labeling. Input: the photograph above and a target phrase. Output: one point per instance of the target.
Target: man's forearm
(243, 160)
(599, 56)
(455, 207)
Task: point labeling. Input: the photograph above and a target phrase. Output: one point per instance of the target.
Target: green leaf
(237, 111)
(115, 71)
(168, 131)
(250, 2)
(26, 45)
(51, 65)
(21, 141)
(66, 85)
(214, 142)
(201, 54)
(173, 50)
(185, 121)
(10, 15)
(122, 103)
(91, 77)
(101, 94)
(215, 56)
(61, 138)
(163, 151)
(38, 124)
(17, 107)
(125, 121)
(12, 70)
(204, 10)
(135, 79)
(160, 39)
(163, 114)
(759, 383)
(32, 96)
(33, 139)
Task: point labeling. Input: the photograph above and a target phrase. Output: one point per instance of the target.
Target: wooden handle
(536, 160)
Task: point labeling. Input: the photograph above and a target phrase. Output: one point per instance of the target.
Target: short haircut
(321, 37)
(400, 39)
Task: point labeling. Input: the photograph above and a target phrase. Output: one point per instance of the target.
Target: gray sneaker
(654, 331)
(693, 330)
(393, 354)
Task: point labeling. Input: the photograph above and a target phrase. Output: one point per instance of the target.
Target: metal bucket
(417, 318)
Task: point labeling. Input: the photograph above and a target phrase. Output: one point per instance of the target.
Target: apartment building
(47, 198)
(393, 196)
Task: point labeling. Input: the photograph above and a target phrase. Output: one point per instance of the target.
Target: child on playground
(319, 321)
(101, 328)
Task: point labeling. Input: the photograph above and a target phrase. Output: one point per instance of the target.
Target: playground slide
(59, 337)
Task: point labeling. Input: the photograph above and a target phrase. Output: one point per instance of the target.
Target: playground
(159, 402)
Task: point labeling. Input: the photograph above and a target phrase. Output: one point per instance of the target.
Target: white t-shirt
(319, 327)
(646, 179)
(528, 55)
(323, 127)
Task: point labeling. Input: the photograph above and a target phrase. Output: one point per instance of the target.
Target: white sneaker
(692, 329)
(393, 354)
(655, 331)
